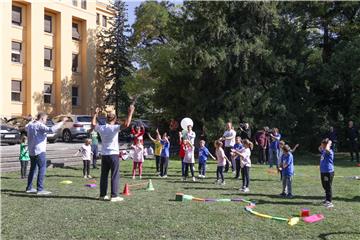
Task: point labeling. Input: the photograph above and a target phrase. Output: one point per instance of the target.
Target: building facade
(48, 55)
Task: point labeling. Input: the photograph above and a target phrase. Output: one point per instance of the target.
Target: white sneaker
(165, 176)
(328, 204)
(133, 177)
(194, 179)
(203, 176)
(105, 198)
(140, 177)
(116, 199)
(222, 183)
(241, 189)
(43, 192)
(246, 190)
(88, 176)
(200, 176)
(33, 190)
(85, 177)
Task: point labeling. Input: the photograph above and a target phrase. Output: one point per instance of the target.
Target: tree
(115, 56)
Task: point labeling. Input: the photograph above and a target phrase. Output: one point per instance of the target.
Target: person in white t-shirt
(189, 160)
(86, 154)
(245, 163)
(110, 152)
(138, 158)
(229, 138)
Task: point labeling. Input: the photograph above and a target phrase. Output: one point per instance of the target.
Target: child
(281, 152)
(274, 147)
(236, 158)
(94, 146)
(245, 163)
(287, 168)
(327, 170)
(182, 154)
(189, 160)
(204, 153)
(221, 162)
(138, 158)
(158, 148)
(164, 160)
(86, 153)
(138, 134)
(24, 156)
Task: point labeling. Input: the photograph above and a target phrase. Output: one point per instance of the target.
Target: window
(83, 4)
(48, 57)
(104, 22)
(97, 19)
(74, 2)
(47, 93)
(75, 31)
(16, 52)
(16, 91)
(75, 62)
(16, 15)
(75, 96)
(48, 24)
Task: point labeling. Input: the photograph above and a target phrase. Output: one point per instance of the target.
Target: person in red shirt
(262, 141)
(182, 154)
(138, 134)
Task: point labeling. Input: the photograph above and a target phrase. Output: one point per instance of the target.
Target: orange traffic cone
(126, 191)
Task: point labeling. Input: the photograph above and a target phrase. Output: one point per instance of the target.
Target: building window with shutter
(48, 57)
(16, 17)
(104, 21)
(48, 24)
(16, 52)
(97, 19)
(75, 32)
(83, 4)
(75, 62)
(74, 3)
(47, 93)
(75, 96)
(16, 91)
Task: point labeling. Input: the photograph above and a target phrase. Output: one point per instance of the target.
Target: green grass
(73, 211)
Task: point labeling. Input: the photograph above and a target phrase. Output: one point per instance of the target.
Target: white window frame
(77, 97)
(52, 57)
(20, 92)
(17, 52)
(48, 94)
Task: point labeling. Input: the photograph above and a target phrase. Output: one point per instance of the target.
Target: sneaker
(194, 179)
(140, 177)
(104, 198)
(222, 183)
(133, 177)
(233, 172)
(116, 199)
(200, 176)
(282, 194)
(159, 176)
(33, 190)
(85, 177)
(89, 176)
(289, 196)
(43, 192)
(165, 176)
(203, 176)
(246, 190)
(328, 204)
(242, 189)
(216, 182)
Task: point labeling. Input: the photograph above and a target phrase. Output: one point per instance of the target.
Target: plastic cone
(150, 186)
(126, 191)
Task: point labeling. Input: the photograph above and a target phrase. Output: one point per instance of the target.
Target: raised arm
(130, 115)
(295, 147)
(94, 121)
(151, 137)
(53, 128)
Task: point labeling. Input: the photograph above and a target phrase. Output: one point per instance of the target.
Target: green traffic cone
(150, 186)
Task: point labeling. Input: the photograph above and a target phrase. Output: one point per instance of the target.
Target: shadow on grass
(25, 195)
(206, 188)
(325, 236)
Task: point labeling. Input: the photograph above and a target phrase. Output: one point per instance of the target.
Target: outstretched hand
(131, 108)
(97, 110)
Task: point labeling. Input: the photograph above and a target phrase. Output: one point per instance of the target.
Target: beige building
(48, 56)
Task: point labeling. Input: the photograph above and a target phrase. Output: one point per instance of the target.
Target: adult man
(229, 138)
(245, 131)
(352, 136)
(110, 152)
(262, 141)
(36, 132)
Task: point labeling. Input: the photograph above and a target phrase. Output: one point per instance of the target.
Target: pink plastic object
(314, 218)
(92, 185)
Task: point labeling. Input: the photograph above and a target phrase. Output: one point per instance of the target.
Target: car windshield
(84, 119)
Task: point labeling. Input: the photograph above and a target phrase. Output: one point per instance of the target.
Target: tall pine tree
(113, 54)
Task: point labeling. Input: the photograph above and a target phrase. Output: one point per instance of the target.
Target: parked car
(76, 127)
(52, 137)
(19, 123)
(9, 134)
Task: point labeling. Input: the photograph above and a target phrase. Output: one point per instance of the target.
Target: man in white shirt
(36, 133)
(229, 138)
(110, 152)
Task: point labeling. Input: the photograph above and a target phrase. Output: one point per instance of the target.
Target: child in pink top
(221, 162)
(138, 158)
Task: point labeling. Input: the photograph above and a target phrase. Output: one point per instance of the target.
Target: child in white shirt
(138, 158)
(189, 159)
(86, 154)
(245, 163)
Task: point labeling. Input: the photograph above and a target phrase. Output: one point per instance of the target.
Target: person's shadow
(325, 236)
(17, 193)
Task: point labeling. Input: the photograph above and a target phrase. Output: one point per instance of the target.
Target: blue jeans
(202, 168)
(286, 182)
(40, 162)
(273, 158)
(94, 150)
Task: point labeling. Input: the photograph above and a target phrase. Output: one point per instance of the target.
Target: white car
(76, 127)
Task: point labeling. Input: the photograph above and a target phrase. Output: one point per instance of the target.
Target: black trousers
(187, 165)
(23, 165)
(238, 167)
(110, 162)
(157, 162)
(86, 168)
(326, 181)
(164, 162)
(220, 173)
(245, 174)
(227, 151)
(262, 155)
(354, 148)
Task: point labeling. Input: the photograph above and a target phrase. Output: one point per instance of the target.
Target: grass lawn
(73, 211)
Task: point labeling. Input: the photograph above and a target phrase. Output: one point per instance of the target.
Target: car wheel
(67, 136)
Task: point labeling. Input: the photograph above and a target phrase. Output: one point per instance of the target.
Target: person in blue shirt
(204, 153)
(327, 171)
(287, 168)
(238, 147)
(274, 147)
(164, 156)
